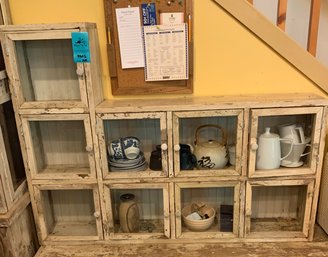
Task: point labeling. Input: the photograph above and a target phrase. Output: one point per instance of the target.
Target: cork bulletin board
(132, 81)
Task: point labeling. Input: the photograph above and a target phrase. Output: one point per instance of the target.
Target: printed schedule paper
(166, 52)
(130, 37)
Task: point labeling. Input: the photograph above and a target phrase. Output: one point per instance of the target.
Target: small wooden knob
(96, 214)
(178, 214)
(177, 148)
(88, 148)
(79, 71)
(164, 147)
(254, 146)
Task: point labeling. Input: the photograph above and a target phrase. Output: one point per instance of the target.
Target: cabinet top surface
(215, 102)
(43, 27)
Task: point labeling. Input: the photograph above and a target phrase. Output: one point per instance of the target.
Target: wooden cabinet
(54, 101)
(43, 74)
(249, 203)
(66, 130)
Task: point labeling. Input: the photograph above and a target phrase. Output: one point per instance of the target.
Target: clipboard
(132, 81)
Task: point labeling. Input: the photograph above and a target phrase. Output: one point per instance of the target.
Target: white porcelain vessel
(269, 152)
(292, 131)
(294, 159)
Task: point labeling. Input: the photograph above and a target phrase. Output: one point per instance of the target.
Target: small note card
(172, 18)
(80, 44)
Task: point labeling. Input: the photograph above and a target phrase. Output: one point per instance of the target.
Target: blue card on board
(148, 14)
(80, 44)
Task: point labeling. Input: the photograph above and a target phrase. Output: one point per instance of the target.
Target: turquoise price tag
(80, 44)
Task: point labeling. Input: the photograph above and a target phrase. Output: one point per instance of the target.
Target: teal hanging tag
(80, 44)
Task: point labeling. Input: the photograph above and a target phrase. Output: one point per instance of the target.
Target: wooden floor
(318, 248)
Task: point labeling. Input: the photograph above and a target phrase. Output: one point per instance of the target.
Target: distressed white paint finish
(149, 128)
(309, 118)
(59, 145)
(214, 194)
(153, 204)
(68, 211)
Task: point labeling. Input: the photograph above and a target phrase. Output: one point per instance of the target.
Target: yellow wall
(228, 59)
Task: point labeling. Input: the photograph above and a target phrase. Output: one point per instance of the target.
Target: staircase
(305, 62)
(305, 21)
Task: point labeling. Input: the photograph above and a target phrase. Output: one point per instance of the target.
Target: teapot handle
(224, 137)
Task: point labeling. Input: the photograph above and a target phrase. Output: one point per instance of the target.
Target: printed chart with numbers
(166, 52)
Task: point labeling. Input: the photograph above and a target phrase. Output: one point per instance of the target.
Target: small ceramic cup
(115, 149)
(131, 147)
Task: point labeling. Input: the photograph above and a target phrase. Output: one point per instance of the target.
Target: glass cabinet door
(207, 209)
(208, 143)
(278, 210)
(61, 146)
(133, 144)
(137, 211)
(284, 141)
(45, 75)
(12, 171)
(68, 212)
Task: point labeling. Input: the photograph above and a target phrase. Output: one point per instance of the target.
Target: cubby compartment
(278, 210)
(61, 146)
(207, 209)
(298, 133)
(208, 143)
(68, 212)
(137, 211)
(148, 133)
(46, 74)
(47, 71)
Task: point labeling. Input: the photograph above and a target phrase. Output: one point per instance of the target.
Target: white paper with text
(130, 37)
(166, 52)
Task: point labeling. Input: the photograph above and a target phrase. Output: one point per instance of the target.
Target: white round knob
(79, 71)
(96, 215)
(164, 147)
(254, 146)
(177, 148)
(88, 148)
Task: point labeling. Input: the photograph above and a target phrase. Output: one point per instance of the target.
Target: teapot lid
(211, 144)
(268, 134)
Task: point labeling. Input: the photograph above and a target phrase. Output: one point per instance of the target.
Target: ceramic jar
(129, 214)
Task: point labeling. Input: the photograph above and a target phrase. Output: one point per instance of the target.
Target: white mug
(289, 131)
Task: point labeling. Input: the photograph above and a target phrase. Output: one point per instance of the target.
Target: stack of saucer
(137, 164)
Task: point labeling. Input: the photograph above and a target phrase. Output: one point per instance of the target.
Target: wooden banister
(278, 41)
(313, 27)
(281, 14)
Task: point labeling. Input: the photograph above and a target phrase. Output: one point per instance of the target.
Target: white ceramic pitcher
(269, 152)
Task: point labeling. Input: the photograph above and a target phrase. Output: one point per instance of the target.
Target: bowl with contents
(198, 216)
